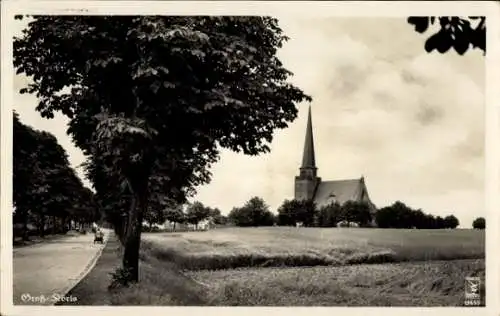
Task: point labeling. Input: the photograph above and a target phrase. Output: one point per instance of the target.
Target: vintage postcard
(184, 155)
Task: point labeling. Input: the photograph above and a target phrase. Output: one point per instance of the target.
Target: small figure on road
(99, 236)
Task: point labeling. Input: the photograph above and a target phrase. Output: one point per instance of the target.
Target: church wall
(305, 188)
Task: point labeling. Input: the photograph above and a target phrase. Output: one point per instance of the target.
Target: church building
(309, 186)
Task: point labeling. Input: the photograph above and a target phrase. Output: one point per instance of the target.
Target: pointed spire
(308, 159)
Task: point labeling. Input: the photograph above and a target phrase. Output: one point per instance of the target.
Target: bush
(356, 212)
(479, 223)
(120, 278)
(294, 211)
(328, 215)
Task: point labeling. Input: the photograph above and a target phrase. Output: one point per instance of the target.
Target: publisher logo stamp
(472, 291)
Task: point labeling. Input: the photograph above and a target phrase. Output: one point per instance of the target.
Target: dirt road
(45, 271)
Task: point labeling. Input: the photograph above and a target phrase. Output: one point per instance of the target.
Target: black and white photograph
(263, 159)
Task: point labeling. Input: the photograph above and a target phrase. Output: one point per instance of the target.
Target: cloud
(411, 122)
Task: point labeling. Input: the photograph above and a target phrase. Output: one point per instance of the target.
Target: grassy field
(297, 267)
(435, 283)
(273, 246)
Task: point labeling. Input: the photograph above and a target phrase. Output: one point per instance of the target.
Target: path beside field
(52, 267)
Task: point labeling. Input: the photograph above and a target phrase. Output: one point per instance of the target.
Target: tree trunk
(54, 226)
(174, 225)
(121, 227)
(25, 226)
(125, 222)
(133, 236)
(42, 226)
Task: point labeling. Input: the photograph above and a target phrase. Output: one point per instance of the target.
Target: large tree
(329, 215)
(479, 223)
(153, 99)
(217, 216)
(455, 32)
(175, 214)
(255, 212)
(356, 212)
(294, 211)
(197, 212)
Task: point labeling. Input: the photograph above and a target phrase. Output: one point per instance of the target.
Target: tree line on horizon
(130, 85)
(190, 213)
(256, 212)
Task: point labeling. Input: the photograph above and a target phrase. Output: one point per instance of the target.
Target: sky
(410, 122)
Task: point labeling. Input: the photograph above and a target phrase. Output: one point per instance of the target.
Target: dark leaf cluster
(455, 32)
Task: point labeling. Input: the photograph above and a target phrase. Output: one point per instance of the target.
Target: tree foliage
(217, 216)
(152, 99)
(356, 212)
(306, 212)
(399, 215)
(197, 212)
(295, 211)
(454, 32)
(451, 221)
(255, 212)
(175, 214)
(329, 215)
(479, 223)
(44, 184)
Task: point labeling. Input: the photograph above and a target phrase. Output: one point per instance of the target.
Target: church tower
(307, 181)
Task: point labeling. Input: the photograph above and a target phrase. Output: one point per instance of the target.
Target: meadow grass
(282, 246)
(436, 283)
(433, 283)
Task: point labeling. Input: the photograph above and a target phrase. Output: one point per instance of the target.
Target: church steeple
(307, 181)
(308, 159)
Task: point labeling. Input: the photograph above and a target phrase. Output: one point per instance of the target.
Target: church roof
(339, 190)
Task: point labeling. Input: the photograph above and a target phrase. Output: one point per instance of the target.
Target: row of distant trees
(48, 194)
(399, 215)
(256, 212)
(191, 213)
(307, 213)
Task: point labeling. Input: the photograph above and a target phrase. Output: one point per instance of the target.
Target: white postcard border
(273, 8)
